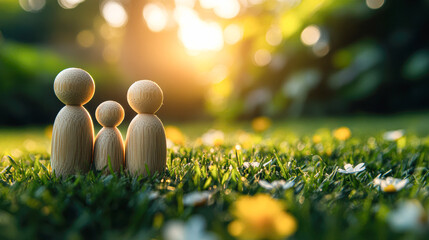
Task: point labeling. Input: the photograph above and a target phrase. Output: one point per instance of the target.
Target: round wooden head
(145, 96)
(109, 114)
(74, 86)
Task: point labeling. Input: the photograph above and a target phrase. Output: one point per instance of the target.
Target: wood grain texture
(110, 114)
(72, 141)
(109, 143)
(145, 144)
(74, 86)
(145, 96)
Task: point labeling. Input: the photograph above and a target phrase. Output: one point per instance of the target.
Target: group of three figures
(73, 145)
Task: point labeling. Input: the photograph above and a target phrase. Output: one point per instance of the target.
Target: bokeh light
(274, 36)
(262, 57)
(250, 46)
(32, 5)
(233, 34)
(114, 13)
(374, 4)
(107, 32)
(85, 38)
(218, 73)
(156, 17)
(208, 4)
(227, 8)
(69, 4)
(310, 35)
(321, 49)
(185, 3)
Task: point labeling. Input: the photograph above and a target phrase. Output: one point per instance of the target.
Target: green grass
(325, 203)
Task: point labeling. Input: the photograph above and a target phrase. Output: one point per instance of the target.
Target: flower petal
(360, 166)
(401, 184)
(348, 167)
(246, 164)
(278, 183)
(288, 185)
(265, 184)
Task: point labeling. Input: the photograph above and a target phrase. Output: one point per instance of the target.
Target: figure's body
(108, 142)
(146, 142)
(73, 131)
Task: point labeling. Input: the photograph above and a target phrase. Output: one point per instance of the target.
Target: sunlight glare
(196, 34)
(114, 14)
(310, 35)
(201, 36)
(262, 57)
(233, 33)
(156, 17)
(227, 8)
(69, 4)
(374, 4)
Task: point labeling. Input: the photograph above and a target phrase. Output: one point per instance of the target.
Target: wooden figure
(146, 142)
(73, 130)
(108, 142)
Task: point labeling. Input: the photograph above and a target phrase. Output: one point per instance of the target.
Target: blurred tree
(236, 58)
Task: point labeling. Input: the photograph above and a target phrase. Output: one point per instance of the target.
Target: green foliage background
(377, 62)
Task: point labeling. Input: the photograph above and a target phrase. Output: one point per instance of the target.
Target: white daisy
(213, 138)
(196, 198)
(410, 215)
(193, 229)
(393, 135)
(276, 184)
(253, 164)
(390, 184)
(349, 169)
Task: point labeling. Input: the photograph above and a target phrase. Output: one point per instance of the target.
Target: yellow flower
(260, 217)
(261, 124)
(317, 138)
(48, 131)
(342, 133)
(175, 135)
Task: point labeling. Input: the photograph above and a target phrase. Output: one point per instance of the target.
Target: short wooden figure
(146, 143)
(108, 142)
(73, 130)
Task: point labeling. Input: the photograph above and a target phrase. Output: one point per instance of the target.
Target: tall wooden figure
(108, 142)
(73, 131)
(146, 142)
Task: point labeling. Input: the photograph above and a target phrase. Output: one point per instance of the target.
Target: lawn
(285, 180)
